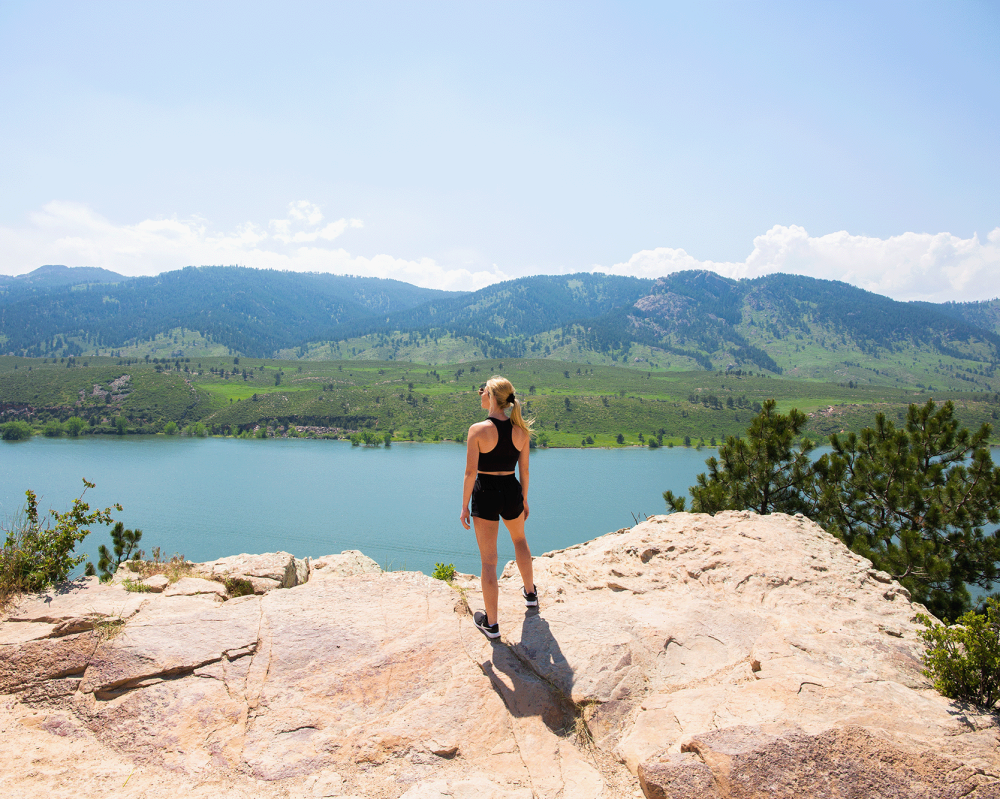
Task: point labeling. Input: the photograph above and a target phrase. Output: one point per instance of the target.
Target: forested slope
(778, 324)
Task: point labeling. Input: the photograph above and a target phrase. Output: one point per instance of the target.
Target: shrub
(444, 572)
(963, 660)
(39, 551)
(170, 428)
(238, 586)
(15, 431)
(53, 428)
(75, 425)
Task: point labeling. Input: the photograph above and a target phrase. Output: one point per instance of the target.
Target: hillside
(249, 311)
(57, 276)
(788, 325)
(574, 404)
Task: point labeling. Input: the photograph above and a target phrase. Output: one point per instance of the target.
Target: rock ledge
(733, 657)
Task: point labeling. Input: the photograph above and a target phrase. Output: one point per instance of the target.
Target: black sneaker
(482, 622)
(531, 600)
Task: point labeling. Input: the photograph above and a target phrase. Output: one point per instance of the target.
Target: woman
(495, 447)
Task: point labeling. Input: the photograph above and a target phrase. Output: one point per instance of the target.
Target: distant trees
(75, 425)
(53, 428)
(370, 438)
(16, 430)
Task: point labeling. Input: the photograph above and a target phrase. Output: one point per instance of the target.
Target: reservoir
(207, 498)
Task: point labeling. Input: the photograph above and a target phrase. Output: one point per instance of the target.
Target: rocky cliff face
(690, 656)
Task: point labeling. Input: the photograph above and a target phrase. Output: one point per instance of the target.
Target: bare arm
(471, 470)
(522, 471)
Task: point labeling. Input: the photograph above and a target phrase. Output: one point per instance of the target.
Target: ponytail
(500, 387)
(518, 419)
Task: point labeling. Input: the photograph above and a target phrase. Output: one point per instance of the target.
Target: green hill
(787, 325)
(249, 311)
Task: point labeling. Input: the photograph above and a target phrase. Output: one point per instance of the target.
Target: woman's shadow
(532, 676)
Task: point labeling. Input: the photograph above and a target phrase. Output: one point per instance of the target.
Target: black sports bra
(503, 457)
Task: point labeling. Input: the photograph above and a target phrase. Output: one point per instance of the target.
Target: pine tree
(915, 502)
(124, 543)
(764, 471)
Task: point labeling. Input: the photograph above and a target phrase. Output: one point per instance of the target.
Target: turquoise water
(207, 498)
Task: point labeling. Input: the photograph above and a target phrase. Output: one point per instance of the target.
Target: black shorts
(496, 495)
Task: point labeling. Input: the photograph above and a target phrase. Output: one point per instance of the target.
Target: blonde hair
(503, 395)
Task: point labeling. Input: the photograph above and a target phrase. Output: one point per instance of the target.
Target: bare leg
(521, 552)
(486, 537)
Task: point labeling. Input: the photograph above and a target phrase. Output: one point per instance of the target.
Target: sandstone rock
(329, 783)
(739, 655)
(281, 567)
(477, 787)
(677, 776)
(191, 586)
(840, 763)
(347, 563)
(157, 583)
(687, 623)
(261, 585)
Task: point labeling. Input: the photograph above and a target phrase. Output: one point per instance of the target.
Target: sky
(457, 144)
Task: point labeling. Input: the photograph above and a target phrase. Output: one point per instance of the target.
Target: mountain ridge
(780, 324)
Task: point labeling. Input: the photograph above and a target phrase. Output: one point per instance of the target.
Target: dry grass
(175, 568)
(109, 627)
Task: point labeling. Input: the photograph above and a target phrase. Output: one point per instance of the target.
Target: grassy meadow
(573, 404)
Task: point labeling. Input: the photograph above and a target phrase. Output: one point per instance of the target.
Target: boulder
(272, 569)
(157, 583)
(735, 656)
(191, 586)
(347, 563)
(744, 762)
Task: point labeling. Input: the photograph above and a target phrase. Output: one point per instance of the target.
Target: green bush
(444, 572)
(170, 428)
(15, 431)
(39, 551)
(197, 429)
(75, 425)
(53, 428)
(963, 660)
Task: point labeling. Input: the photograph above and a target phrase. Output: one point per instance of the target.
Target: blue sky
(456, 144)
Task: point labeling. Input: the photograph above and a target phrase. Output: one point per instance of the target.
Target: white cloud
(73, 234)
(912, 266)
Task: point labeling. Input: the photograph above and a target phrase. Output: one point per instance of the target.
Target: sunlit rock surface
(690, 656)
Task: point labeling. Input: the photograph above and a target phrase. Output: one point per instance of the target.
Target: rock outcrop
(733, 657)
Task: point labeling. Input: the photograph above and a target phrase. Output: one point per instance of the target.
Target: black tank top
(503, 457)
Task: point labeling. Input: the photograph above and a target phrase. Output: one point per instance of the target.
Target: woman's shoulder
(478, 427)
